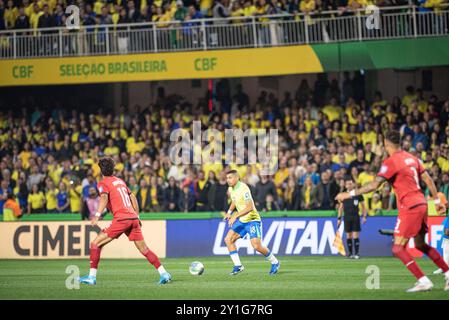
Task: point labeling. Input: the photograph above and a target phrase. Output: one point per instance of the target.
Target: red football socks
(95, 253)
(401, 253)
(152, 258)
(435, 256)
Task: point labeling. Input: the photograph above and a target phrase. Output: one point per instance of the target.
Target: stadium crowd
(327, 132)
(34, 14)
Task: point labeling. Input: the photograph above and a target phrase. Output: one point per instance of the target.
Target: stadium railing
(234, 32)
(190, 215)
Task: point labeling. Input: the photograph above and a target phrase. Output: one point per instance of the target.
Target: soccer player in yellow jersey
(243, 219)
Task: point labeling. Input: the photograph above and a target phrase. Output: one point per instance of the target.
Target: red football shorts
(129, 227)
(411, 221)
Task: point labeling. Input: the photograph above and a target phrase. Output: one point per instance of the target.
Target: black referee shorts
(352, 224)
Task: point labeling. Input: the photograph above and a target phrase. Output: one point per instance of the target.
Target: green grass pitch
(299, 278)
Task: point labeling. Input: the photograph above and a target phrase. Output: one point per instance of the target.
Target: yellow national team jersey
(241, 195)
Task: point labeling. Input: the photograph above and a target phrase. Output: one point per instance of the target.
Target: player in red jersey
(404, 172)
(115, 195)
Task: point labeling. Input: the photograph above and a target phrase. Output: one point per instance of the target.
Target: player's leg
(444, 245)
(400, 251)
(255, 234)
(348, 229)
(349, 244)
(409, 225)
(257, 245)
(230, 239)
(95, 252)
(433, 254)
(134, 233)
(355, 239)
(152, 258)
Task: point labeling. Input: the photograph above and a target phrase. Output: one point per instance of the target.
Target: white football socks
(272, 258)
(424, 280)
(445, 247)
(93, 272)
(161, 270)
(235, 258)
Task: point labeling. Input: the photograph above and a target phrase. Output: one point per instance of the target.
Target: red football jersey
(403, 171)
(119, 202)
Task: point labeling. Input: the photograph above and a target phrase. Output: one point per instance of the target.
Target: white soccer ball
(196, 268)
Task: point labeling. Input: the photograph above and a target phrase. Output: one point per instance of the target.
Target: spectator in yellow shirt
(51, 199)
(357, 4)
(237, 11)
(409, 97)
(34, 18)
(36, 200)
(98, 5)
(10, 15)
(376, 206)
(249, 10)
(369, 135)
(206, 7)
(332, 110)
(307, 7)
(28, 5)
(75, 191)
(111, 149)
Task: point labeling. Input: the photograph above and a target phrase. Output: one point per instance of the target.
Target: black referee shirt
(351, 207)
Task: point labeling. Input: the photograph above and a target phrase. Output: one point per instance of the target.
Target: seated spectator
(62, 197)
(309, 195)
(4, 191)
(292, 195)
(92, 202)
(51, 199)
(271, 204)
(375, 208)
(264, 188)
(171, 195)
(143, 196)
(202, 189)
(186, 201)
(156, 196)
(75, 195)
(327, 190)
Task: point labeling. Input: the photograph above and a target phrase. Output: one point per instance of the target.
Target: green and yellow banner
(160, 66)
(369, 55)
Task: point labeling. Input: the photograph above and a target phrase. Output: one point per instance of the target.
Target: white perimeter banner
(69, 240)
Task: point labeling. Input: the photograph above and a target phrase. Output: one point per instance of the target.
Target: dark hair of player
(10, 195)
(106, 166)
(393, 136)
(348, 178)
(232, 172)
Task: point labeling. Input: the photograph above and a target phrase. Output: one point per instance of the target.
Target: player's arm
(364, 211)
(425, 176)
(101, 206)
(340, 214)
(230, 211)
(367, 188)
(248, 208)
(134, 203)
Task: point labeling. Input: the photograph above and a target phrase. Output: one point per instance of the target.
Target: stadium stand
(48, 159)
(26, 14)
(47, 28)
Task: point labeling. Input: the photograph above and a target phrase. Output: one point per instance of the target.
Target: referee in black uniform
(349, 208)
